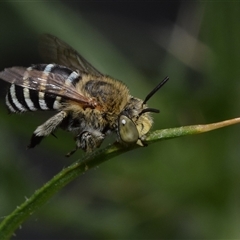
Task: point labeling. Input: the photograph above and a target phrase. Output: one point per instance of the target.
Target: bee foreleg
(89, 140)
(47, 128)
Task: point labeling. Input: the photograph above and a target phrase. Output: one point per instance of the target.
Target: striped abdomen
(21, 99)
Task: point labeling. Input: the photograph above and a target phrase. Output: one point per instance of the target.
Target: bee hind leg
(46, 128)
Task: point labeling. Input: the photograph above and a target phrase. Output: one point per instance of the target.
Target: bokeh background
(183, 188)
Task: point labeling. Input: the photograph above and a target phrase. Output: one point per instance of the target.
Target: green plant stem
(187, 130)
(41, 196)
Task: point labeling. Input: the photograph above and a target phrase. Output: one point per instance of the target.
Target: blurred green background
(184, 188)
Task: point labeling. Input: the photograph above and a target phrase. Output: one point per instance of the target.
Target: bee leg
(72, 152)
(53, 135)
(47, 128)
(88, 141)
(80, 143)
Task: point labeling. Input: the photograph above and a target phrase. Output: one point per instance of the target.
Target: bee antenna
(154, 110)
(155, 90)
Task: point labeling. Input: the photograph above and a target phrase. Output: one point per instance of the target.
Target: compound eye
(127, 130)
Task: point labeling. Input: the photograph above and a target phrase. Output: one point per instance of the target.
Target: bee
(89, 104)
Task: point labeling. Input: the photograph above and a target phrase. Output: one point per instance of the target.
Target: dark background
(183, 188)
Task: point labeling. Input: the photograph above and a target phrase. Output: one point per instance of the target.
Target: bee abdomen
(21, 99)
(70, 75)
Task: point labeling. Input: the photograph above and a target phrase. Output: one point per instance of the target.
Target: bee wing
(45, 82)
(55, 50)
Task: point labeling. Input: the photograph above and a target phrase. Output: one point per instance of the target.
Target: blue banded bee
(88, 104)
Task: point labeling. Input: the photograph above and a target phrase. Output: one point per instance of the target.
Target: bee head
(135, 121)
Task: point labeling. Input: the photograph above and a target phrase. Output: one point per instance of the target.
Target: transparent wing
(49, 83)
(54, 50)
